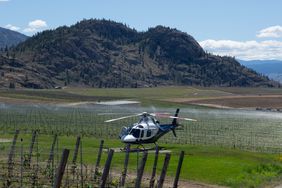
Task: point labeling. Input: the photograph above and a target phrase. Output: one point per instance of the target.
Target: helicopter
(148, 129)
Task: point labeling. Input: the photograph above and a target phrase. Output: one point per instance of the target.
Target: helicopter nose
(129, 139)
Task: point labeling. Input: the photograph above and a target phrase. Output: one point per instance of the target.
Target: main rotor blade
(111, 113)
(160, 114)
(124, 117)
(187, 119)
(173, 117)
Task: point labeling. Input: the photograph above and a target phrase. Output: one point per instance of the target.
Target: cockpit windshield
(135, 133)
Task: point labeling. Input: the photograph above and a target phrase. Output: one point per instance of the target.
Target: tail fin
(174, 121)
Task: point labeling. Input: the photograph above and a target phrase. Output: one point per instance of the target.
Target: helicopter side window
(140, 126)
(142, 134)
(135, 133)
(149, 133)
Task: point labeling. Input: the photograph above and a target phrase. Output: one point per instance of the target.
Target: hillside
(270, 68)
(100, 53)
(9, 38)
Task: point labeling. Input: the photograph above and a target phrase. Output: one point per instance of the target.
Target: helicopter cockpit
(145, 129)
(142, 131)
(135, 132)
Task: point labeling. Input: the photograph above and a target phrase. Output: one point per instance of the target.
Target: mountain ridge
(270, 68)
(10, 38)
(102, 53)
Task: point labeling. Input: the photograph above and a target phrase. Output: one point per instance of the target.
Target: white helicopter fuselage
(143, 131)
(148, 129)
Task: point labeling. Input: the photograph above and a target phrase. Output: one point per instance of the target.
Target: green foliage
(255, 177)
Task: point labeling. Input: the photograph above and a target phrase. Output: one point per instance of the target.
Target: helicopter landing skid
(141, 148)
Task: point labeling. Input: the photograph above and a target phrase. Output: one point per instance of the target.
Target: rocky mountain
(101, 53)
(270, 68)
(10, 38)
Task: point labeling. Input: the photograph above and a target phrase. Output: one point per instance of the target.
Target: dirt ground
(238, 101)
(130, 177)
(190, 184)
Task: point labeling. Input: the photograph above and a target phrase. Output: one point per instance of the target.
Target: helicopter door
(142, 134)
(149, 133)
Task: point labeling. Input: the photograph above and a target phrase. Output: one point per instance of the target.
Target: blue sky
(246, 29)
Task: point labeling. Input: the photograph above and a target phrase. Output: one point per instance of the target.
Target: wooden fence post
(152, 180)
(98, 159)
(21, 183)
(73, 167)
(163, 173)
(175, 184)
(124, 172)
(12, 149)
(61, 168)
(141, 170)
(76, 151)
(81, 165)
(106, 169)
(50, 163)
(51, 154)
(10, 158)
(34, 133)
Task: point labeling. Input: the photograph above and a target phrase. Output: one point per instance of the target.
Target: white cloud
(4, 0)
(35, 26)
(246, 50)
(12, 27)
(30, 30)
(273, 31)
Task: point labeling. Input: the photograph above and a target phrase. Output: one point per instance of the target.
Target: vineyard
(246, 130)
(44, 131)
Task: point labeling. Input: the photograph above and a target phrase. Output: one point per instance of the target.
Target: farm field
(249, 101)
(227, 147)
(161, 96)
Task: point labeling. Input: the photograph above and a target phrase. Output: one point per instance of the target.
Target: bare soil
(238, 101)
(130, 177)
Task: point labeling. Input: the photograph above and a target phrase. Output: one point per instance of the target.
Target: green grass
(212, 165)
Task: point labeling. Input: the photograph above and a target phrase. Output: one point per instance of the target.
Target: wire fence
(36, 164)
